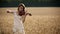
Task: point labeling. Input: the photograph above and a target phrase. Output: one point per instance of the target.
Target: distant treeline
(30, 3)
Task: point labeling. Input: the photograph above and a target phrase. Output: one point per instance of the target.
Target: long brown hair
(21, 4)
(21, 12)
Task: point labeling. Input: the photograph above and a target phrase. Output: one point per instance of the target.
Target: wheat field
(44, 20)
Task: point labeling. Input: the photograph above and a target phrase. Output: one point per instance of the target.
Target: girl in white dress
(19, 18)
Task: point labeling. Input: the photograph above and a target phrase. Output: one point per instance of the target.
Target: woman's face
(21, 8)
(21, 11)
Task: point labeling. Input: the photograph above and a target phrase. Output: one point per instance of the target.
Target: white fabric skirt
(18, 25)
(18, 28)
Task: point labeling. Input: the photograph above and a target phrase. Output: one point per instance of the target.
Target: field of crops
(44, 20)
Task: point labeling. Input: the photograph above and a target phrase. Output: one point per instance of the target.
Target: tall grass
(35, 24)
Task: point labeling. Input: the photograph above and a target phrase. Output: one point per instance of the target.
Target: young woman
(19, 18)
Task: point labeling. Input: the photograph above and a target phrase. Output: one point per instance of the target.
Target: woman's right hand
(8, 11)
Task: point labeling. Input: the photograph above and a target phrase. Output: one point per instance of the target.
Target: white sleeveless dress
(18, 27)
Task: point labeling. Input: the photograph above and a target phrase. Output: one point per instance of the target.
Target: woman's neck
(20, 13)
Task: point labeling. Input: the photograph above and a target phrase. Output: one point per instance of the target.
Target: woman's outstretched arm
(9, 11)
